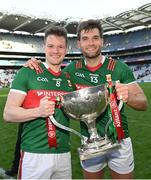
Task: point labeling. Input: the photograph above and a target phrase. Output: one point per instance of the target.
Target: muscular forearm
(137, 101)
(132, 95)
(14, 112)
(20, 114)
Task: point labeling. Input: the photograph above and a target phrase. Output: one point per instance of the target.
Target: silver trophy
(86, 105)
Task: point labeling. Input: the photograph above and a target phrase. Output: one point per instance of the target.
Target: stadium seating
(131, 47)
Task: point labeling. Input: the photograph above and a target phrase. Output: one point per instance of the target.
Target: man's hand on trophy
(122, 92)
(46, 107)
(33, 63)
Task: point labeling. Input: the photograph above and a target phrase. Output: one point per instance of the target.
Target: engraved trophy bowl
(86, 105)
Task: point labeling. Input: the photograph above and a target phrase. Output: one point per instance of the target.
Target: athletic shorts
(120, 160)
(45, 166)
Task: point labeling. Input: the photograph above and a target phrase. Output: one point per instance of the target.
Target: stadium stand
(132, 47)
(131, 40)
(6, 77)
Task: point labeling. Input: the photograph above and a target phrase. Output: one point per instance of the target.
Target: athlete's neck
(55, 68)
(93, 62)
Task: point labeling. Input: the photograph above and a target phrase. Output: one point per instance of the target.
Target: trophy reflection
(86, 105)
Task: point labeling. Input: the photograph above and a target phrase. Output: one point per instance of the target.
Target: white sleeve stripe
(132, 82)
(19, 91)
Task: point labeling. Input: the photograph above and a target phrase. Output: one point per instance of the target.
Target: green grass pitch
(140, 131)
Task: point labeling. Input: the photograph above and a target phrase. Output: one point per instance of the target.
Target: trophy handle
(53, 120)
(120, 105)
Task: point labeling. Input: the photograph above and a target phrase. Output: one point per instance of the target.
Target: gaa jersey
(36, 86)
(82, 77)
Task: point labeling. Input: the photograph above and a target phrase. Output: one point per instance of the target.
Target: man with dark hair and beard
(92, 71)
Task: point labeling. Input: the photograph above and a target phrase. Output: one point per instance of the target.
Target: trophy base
(96, 151)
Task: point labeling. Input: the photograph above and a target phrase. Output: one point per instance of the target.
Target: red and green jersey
(83, 76)
(36, 86)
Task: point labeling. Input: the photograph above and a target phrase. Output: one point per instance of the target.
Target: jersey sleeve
(126, 74)
(21, 80)
(69, 68)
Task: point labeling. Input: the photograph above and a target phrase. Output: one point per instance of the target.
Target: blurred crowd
(6, 77)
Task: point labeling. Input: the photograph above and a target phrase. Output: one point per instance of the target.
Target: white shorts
(120, 160)
(45, 166)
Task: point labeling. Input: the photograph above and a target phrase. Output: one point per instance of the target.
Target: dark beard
(92, 57)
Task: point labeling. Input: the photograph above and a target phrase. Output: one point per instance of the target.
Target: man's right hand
(33, 63)
(46, 107)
